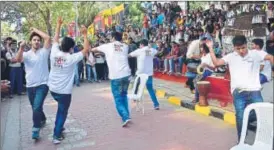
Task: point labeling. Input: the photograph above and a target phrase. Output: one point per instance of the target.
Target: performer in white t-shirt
(61, 76)
(116, 54)
(244, 68)
(145, 56)
(37, 73)
(265, 74)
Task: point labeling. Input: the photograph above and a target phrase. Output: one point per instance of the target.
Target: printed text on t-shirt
(59, 61)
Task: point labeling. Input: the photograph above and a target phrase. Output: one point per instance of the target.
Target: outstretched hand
(59, 20)
(83, 30)
(32, 29)
(23, 43)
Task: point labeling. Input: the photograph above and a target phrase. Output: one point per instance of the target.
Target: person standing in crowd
(244, 68)
(100, 62)
(61, 79)
(91, 67)
(132, 61)
(145, 57)
(119, 73)
(16, 72)
(146, 19)
(77, 75)
(7, 47)
(37, 72)
(265, 74)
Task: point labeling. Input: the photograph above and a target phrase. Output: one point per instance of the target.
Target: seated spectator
(5, 89)
(171, 58)
(159, 57)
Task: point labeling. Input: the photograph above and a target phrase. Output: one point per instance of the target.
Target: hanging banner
(106, 13)
(117, 9)
(91, 29)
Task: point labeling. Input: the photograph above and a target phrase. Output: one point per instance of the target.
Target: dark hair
(204, 39)
(144, 42)
(67, 43)
(258, 42)
(239, 40)
(117, 36)
(210, 29)
(33, 35)
(8, 39)
(206, 49)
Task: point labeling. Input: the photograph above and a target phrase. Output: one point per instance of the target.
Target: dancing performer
(244, 68)
(37, 73)
(119, 72)
(61, 76)
(145, 57)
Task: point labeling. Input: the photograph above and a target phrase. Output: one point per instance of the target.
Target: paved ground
(93, 124)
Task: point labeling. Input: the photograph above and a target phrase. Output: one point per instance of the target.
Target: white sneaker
(56, 141)
(125, 123)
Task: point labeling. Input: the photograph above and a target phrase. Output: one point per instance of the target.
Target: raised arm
(86, 42)
(57, 30)
(44, 35)
(19, 56)
(216, 61)
(269, 57)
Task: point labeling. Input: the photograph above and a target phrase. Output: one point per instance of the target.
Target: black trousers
(190, 83)
(100, 71)
(133, 65)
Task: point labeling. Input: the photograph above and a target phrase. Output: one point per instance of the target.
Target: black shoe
(157, 108)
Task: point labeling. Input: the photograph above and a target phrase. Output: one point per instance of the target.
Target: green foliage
(87, 12)
(135, 14)
(45, 15)
(9, 11)
(195, 5)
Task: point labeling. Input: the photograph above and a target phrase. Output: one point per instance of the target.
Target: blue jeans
(16, 79)
(241, 100)
(145, 33)
(64, 101)
(37, 96)
(205, 74)
(119, 89)
(172, 64)
(76, 77)
(92, 70)
(151, 92)
(263, 79)
(166, 64)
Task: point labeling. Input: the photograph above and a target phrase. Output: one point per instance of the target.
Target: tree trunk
(49, 27)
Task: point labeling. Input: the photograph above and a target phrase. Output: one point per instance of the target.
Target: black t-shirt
(270, 47)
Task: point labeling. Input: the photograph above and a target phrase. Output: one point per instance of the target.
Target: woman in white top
(207, 65)
(91, 67)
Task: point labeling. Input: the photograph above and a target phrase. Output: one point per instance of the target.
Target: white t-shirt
(267, 70)
(62, 71)
(145, 57)
(207, 60)
(90, 58)
(10, 55)
(36, 67)
(117, 59)
(244, 71)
